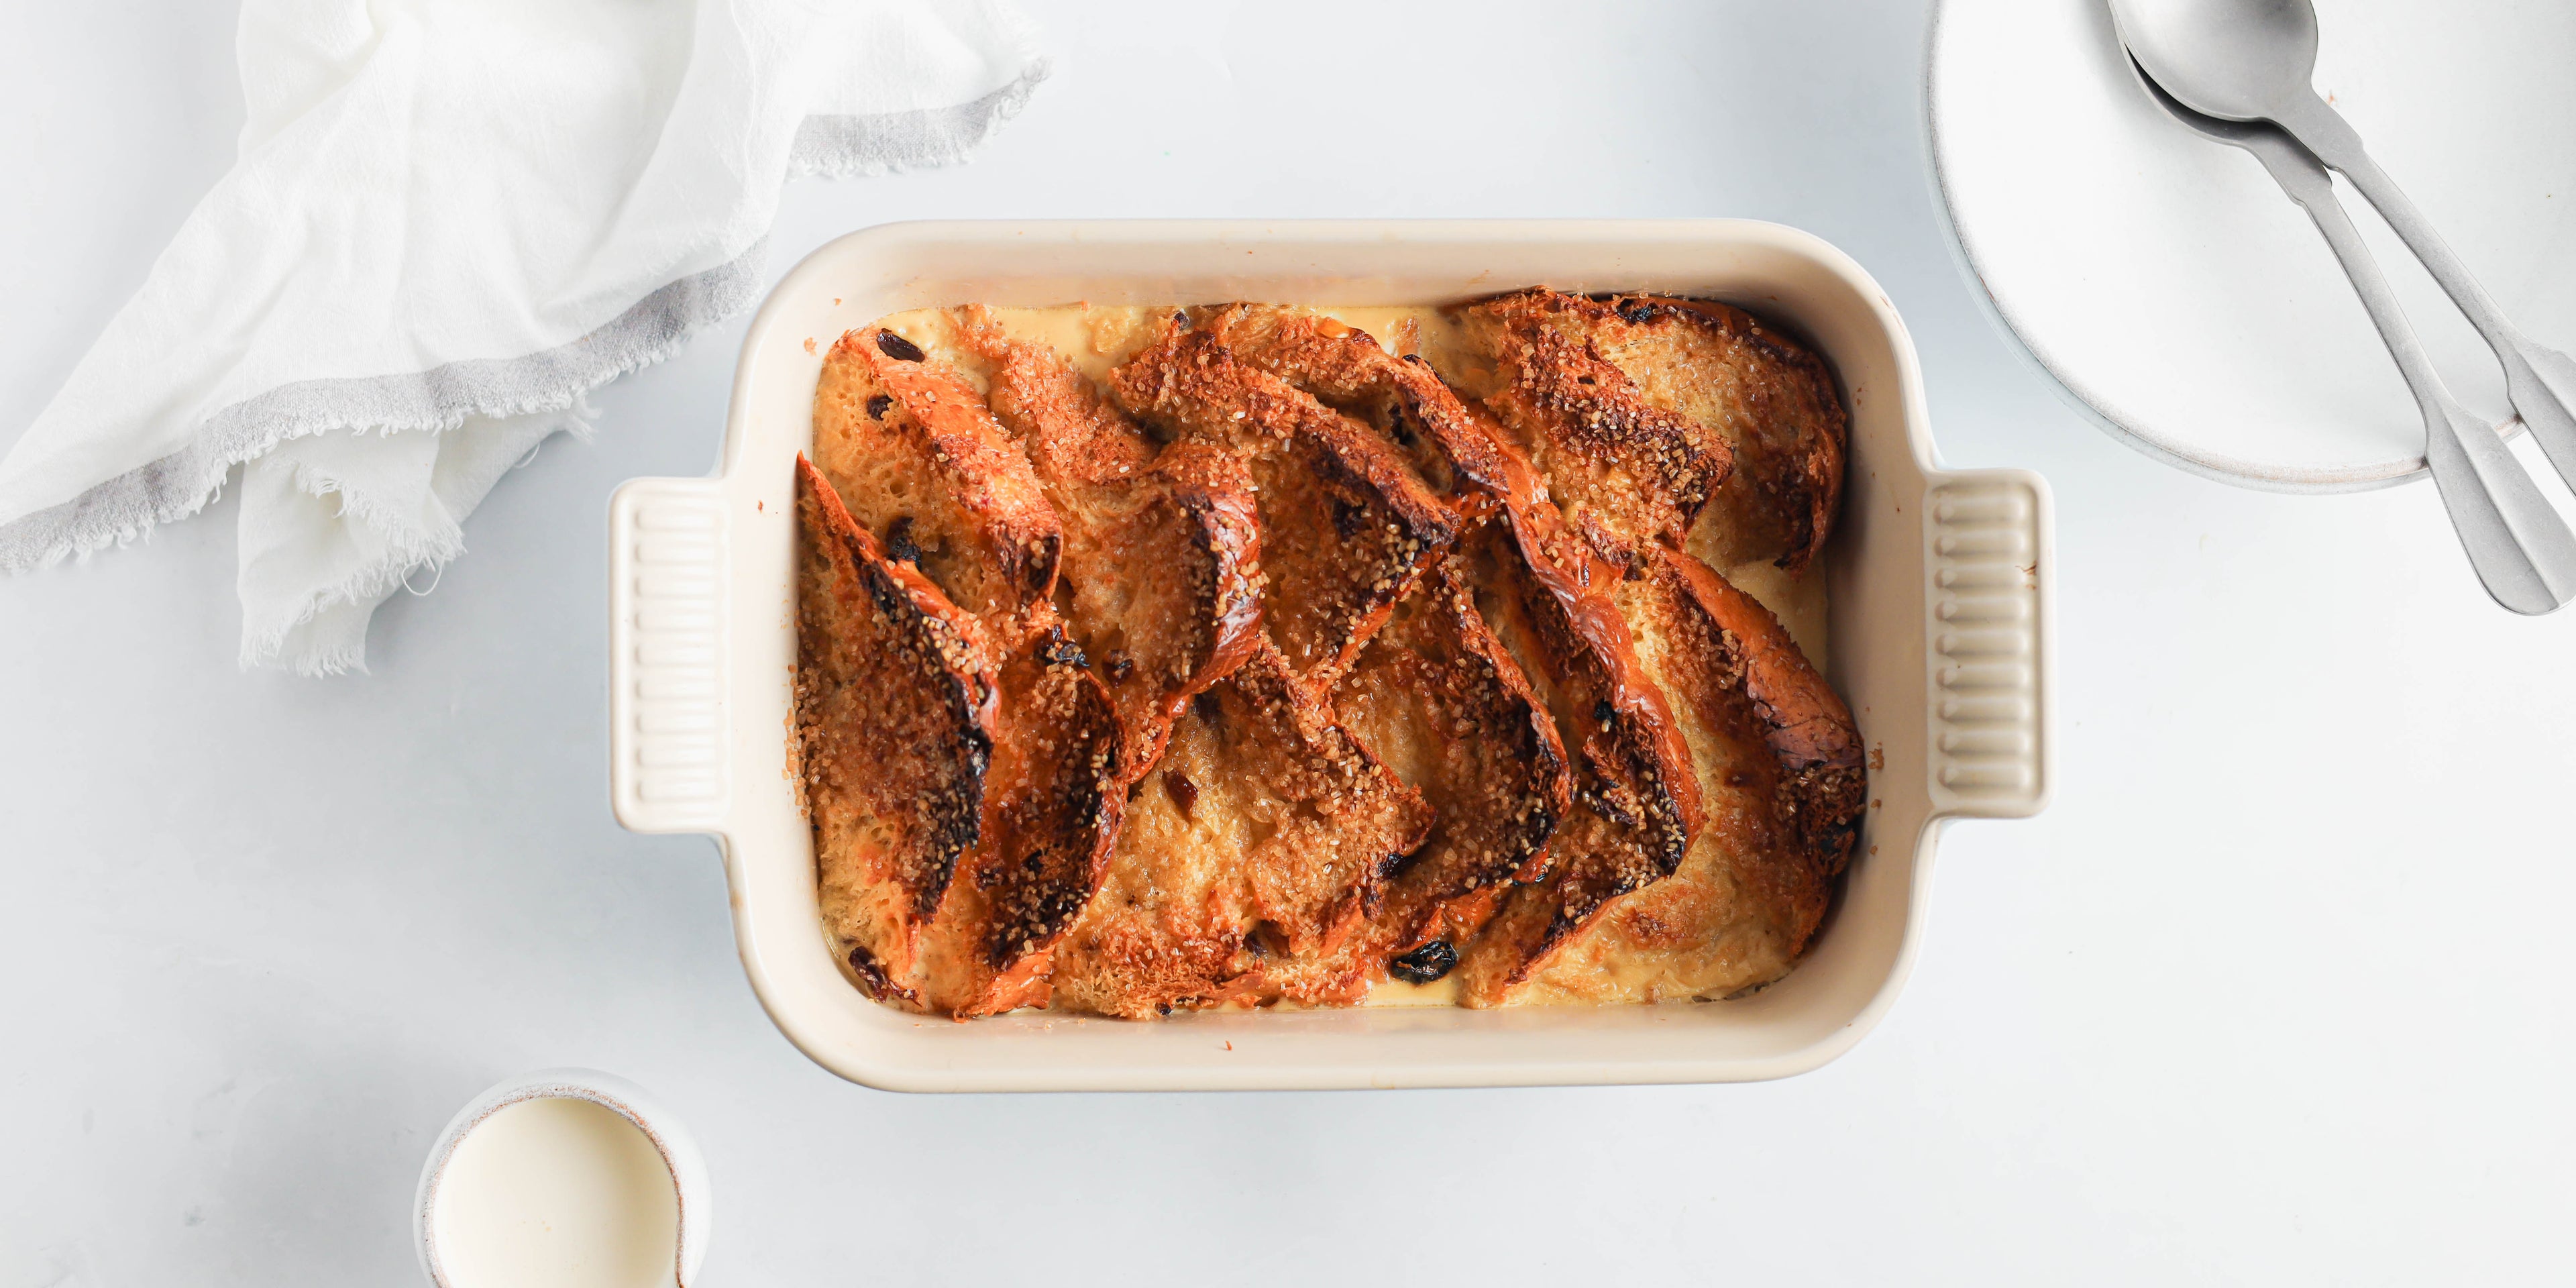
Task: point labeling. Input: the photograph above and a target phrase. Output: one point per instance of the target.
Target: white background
(2275, 993)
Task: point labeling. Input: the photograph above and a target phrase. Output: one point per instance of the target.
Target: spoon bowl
(2238, 60)
(2243, 134)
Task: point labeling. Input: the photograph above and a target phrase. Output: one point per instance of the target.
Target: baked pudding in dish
(1244, 655)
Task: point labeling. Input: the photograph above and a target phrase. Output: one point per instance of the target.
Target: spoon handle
(2539, 380)
(2522, 551)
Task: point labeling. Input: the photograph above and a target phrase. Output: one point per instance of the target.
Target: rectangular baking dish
(1940, 634)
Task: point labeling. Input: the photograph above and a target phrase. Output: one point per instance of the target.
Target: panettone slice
(1627, 471)
(1636, 808)
(1780, 771)
(1053, 808)
(1347, 528)
(1452, 447)
(1770, 398)
(1262, 835)
(1160, 583)
(896, 718)
(1445, 705)
(922, 465)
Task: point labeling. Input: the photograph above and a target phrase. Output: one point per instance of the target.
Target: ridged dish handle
(1990, 557)
(669, 736)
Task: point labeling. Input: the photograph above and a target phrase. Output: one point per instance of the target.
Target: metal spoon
(2255, 60)
(2521, 549)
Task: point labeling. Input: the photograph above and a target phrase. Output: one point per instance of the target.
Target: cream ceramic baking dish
(1939, 637)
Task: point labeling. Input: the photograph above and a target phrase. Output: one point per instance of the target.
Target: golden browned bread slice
(1264, 832)
(1435, 694)
(1346, 527)
(1053, 804)
(1547, 940)
(922, 465)
(1160, 580)
(1453, 448)
(1637, 804)
(1627, 471)
(1073, 436)
(1628, 821)
(1771, 399)
(895, 725)
(1164, 545)
(1440, 700)
(1744, 393)
(1779, 765)
(1807, 726)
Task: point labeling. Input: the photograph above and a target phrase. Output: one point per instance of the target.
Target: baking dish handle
(1990, 566)
(669, 735)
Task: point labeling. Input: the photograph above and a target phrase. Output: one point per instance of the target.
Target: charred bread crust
(1052, 819)
(1214, 495)
(1771, 399)
(1346, 527)
(1824, 786)
(1444, 704)
(1637, 806)
(1779, 762)
(1161, 577)
(1258, 842)
(1435, 693)
(1628, 472)
(1455, 450)
(923, 465)
(895, 721)
(1348, 819)
(1555, 582)
(1075, 438)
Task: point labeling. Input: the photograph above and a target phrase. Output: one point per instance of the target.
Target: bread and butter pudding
(1246, 655)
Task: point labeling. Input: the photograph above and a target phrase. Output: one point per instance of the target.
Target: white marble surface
(2274, 994)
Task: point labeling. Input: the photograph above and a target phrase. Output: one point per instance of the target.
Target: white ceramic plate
(2166, 284)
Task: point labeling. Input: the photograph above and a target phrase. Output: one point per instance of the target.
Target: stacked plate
(2166, 285)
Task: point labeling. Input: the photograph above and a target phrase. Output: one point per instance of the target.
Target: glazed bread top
(1281, 664)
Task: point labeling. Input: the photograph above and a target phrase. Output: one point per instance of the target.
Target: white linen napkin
(448, 222)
